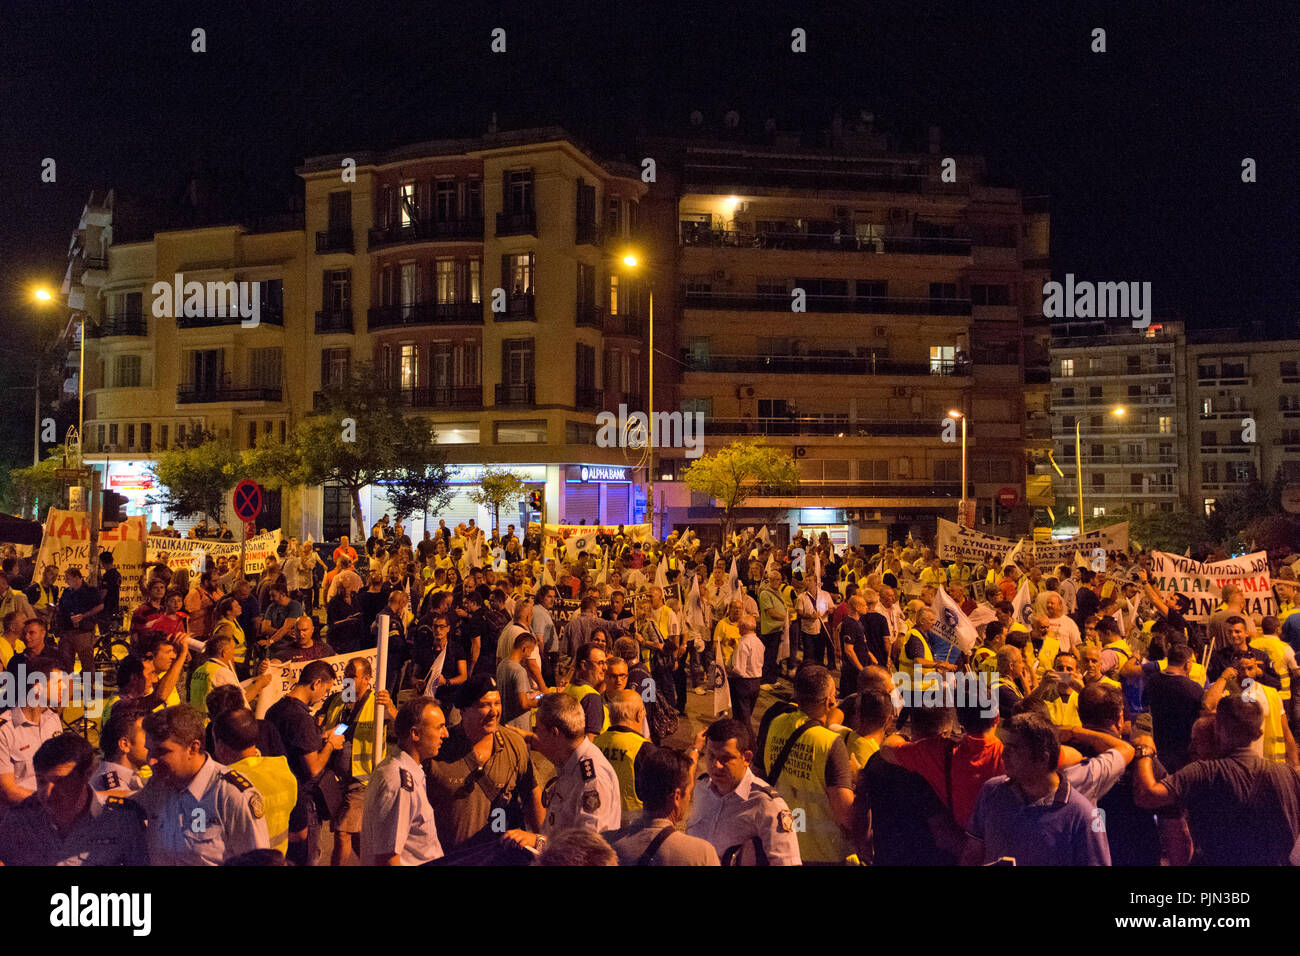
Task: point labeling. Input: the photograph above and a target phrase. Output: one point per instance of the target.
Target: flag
(982, 615)
(764, 536)
(694, 611)
(951, 624)
(1079, 560)
(1014, 552)
(577, 545)
(435, 673)
(721, 687)
(661, 572)
(548, 579)
(733, 580)
(499, 562)
(771, 564)
(817, 568)
(603, 576)
(1022, 608)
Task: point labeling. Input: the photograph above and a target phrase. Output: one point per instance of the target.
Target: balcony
(425, 313)
(790, 427)
(334, 320)
(625, 324)
(519, 308)
(1227, 448)
(588, 398)
(333, 240)
(589, 317)
(1136, 461)
(1226, 381)
(695, 235)
(517, 223)
(861, 305)
(817, 365)
(424, 396)
(269, 315)
(128, 323)
(916, 488)
(587, 234)
(95, 262)
(518, 396)
(207, 395)
(426, 230)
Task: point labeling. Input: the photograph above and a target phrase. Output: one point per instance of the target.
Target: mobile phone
(341, 729)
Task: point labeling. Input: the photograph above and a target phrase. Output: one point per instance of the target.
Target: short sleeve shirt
(398, 818)
(584, 793)
(20, 738)
(301, 736)
(110, 833)
(219, 814)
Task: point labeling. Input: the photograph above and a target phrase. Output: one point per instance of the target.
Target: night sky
(1139, 148)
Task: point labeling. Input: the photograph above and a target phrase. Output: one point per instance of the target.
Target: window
(336, 516)
(873, 469)
(162, 437)
(1234, 369)
(407, 366)
(264, 366)
(1207, 407)
(771, 285)
(1067, 394)
(445, 281)
(585, 368)
(1287, 369)
(517, 361)
(466, 368)
(579, 433)
(633, 372)
(586, 293)
(1166, 425)
(130, 437)
(517, 274)
(1209, 472)
(252, 434)
(340, 212)
(1134, 363)
(444, 200)
(271, 292)
(128, 371)
(1206, 371)
(180, 434)
(942, 358)
(1240, 472)
(410, 287)
(943, 290)
(613, 371)
(407, 211)
(1067, 368)
(112, 435)
(1098, 481)
(1134, 391)
(1094, 393)
(474, 198)
(697, 406)
(773, 408)
(1094, 421)
(613, 295)
(337, 290)
(831, 287)
(519, 192)
(990, 294)
(335, 364)
(1209, 507)
(586, 211)
(1067, 421)
(872, 289)
(1209, 439)
(613, 219)
(947, 470)
(1164, 388)
(1135, 481)
(520, 433)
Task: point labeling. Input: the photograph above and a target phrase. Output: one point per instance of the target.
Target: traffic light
(534, 501)
(113, 511)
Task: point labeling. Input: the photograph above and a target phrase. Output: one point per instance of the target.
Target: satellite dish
(731, 120)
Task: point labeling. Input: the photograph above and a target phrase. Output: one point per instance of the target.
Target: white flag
(1022, 608)
(771, 564)
(694, 613)
(603, 576)
(1014, 552)
(721, 687)
(435, 673)
(733, 580)
(577, 545)
(764, 536)
(548, 579)
(661, 572)
(1079, 560)
(951, 624)
(982, 615)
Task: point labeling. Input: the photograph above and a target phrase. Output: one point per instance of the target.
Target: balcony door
(207, 367)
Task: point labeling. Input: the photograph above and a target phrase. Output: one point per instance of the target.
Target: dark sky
(1139, 148)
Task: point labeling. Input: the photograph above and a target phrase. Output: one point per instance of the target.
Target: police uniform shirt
(752, 810)
(219, 814)
(111, 776)
(20, 738)
(110, 833)
(584, 793)
(398, 817)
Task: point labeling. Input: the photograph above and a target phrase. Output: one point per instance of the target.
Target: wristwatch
(1142, 750)
(540, 845)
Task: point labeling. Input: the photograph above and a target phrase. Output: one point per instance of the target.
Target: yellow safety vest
(1276, 649)
(363, 737)
(241, 642)
(620, 748)
(905, 661)
(1047, 654)
(1195, 670)
(1065, 713)
(279, 789)
(580, 691)
(201, 684)
(984, 660)
(1120, 646)
(1274, 742)
(803, 785)
(172, 700)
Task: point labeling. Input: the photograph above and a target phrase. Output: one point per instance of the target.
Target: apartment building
(480, 278)
(914, 293)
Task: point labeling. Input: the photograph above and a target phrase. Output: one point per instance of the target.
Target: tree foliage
(736, 473)
(35, 489)
(195, 474)
(496, 488)
(357, 437)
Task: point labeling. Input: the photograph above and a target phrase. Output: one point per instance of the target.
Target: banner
(285, 676)
(631, 532)
(954, 542)
(189, 553)
(1203, 582)
(1049, 554)
(66, 544)
(951, 624)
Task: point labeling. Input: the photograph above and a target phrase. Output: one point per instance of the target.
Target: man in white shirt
(812, 607)
(1059, 626)
(746, 671)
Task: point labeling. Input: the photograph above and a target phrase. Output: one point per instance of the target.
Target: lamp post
(1118, 411)
(632, 262)
(961, 516)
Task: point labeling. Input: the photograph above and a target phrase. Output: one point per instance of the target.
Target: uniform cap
(474, 689)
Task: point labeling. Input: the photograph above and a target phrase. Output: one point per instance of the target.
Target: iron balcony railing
(333, 240)
(426, 230)
(817, 365)
(333, 320)
(822, 427)
(268, 315)
(518, 395)
(425, 313)
(127, 323)
(517, 223)
(845, 241)
(199, 395)
(863, 305)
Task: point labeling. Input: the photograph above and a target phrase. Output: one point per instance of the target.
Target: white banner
(954, 542)
(1049, 554)
(66, 544)
(631, 532)
(285, 676)
(1203, 582)
(189, 553)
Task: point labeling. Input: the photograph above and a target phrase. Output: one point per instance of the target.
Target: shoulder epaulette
(126, 804)
(763, 788)
(238, 779)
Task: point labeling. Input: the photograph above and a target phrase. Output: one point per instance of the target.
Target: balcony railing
(333, 240)
(625, 324)
(334, 320)
(817, 426)
(128, 323)
(424, 396)
(1066, 460)
(517, 395)
(427, 230)
(587, 234)
(817, 365)
(695, 235)
(519, 308)
(589, 317)
(517, 223)
(198, 395)
(589, 398)
(95, 262)
(269, 315)
(918, 488)
(425, 313)
(862, 305)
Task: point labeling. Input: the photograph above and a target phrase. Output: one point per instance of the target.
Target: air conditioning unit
(901, 392)
(744, 392)
(800, 451)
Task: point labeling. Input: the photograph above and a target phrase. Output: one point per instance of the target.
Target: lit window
(1067, 368)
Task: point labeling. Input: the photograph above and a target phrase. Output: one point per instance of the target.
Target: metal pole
(650, 415)
(81, 381)
(964, 506)
(1078, 471)
(96, 516)
(36, 419)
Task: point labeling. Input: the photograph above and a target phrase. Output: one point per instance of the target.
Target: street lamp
(1118, 411)
(961, 516)
(632, 262)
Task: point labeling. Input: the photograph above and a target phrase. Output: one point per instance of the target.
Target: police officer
(65, 823)
(122, 742)
(746, 821)
(24, 729)
(397, 827)
(584, 791)
(200, 812)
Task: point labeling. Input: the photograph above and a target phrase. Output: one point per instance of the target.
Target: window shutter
(324, 368)
(505, 362)
(528, 363)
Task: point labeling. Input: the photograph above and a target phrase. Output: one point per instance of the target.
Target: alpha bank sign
(598, 473)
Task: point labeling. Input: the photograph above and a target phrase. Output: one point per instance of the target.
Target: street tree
(36, 489)
(743, 469)
(496, 488)
(196, 473)
(357, 437)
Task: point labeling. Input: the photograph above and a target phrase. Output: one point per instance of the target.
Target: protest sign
(66, 544)
(285, 676)
(1203, 582)
(190, 553)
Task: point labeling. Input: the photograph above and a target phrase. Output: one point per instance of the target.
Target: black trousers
(771, 648)
(817, 649)
(744, 695)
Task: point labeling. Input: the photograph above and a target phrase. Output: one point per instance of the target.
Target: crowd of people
(535, 708)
